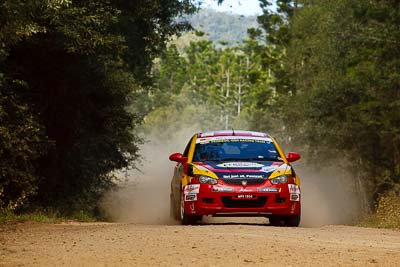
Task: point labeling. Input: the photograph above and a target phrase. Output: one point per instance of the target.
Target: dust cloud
(328, 196)
(144, 195)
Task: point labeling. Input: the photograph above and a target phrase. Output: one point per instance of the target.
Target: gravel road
(220, 243)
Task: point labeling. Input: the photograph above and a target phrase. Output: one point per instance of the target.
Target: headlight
(280, 180)
(207, 180)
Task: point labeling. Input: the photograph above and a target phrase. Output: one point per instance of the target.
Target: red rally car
(235, 173)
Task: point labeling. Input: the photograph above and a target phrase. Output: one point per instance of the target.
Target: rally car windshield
(255, 150)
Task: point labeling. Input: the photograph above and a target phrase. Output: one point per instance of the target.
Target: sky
(242, 7)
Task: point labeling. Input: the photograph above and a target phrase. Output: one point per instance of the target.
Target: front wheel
(292, 221)
(275, 221)
(174, 209)
(186, 219)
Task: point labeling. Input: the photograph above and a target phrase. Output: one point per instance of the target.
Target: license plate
(245, 196)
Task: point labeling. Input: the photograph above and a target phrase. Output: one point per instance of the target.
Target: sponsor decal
(254, 176)
(257, 134)
(246, 190)
(242, 176)
(207, 134)
(294, 197)
(294, 189)
(191, 197)
(240, 165)
(230, 176)
(222, 189)
(269, 168)
(209, 138)
(191, 189)
(269, 190)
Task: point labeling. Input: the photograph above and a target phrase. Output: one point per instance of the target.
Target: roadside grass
(9, 216)
(387, 213)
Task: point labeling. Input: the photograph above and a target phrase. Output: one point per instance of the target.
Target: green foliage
(69, 73)
(76, 80)
(20, 145)
(352, 96)
(44, 216)
(337, 83)
(387, 213)
(10, 216)
(211, 85)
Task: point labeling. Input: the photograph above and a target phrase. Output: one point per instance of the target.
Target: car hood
(241, 169)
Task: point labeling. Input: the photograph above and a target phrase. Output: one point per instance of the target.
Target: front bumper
(244, 201)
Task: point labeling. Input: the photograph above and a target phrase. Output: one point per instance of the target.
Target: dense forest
(78, 78)
(325, 81)
(69, 71)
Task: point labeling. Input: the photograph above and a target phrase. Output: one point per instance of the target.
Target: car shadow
(233, 223)
(255, 221)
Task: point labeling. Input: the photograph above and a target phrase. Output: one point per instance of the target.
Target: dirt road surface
(232, 243)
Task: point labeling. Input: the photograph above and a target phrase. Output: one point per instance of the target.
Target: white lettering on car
(191, 189)
(294, 189)
(191, 197)
(294, 197)
(240, 165)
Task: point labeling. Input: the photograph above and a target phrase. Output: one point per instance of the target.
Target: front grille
(249, 181)
(233, 203)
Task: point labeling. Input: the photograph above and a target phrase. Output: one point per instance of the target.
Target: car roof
(232, 133)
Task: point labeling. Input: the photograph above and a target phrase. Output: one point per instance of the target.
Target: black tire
(275, 221)
(292, 221)
(174, 209)
(199, 218)
(186, 219)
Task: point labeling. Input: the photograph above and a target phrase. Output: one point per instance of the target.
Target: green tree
(223, 80)
(22, 141)
(70, 71)
(342, 57)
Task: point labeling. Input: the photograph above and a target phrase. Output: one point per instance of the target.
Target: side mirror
(178, 157)
(293, 156)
